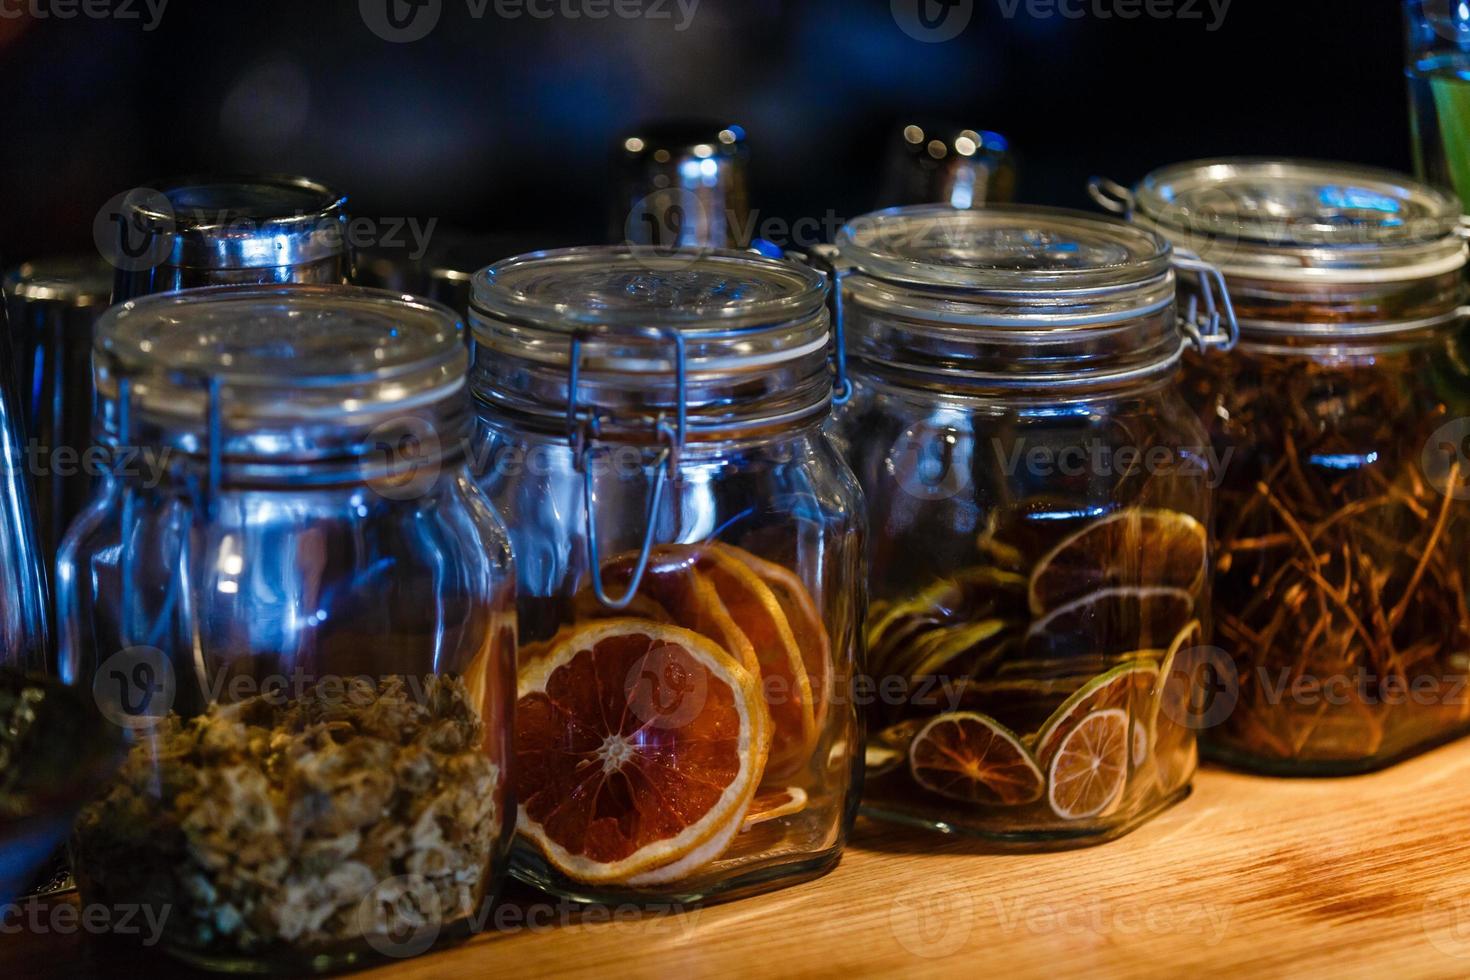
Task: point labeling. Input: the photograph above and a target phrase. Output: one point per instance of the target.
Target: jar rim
(1298, 220)
(1004, 251)
(607, 288)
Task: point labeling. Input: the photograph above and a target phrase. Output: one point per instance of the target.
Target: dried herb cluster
(307, 823)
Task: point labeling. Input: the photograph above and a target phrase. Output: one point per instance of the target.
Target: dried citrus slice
(885, 750)
(1135, 548)
(1090, 768)
(971, 595)
(1111, 621)
(673, 590)
(637, 745)
(967, 650)
(784, 681)
(1126, 687)
(773, 805)
(1173, 741)
(805, 621)
(974, 758)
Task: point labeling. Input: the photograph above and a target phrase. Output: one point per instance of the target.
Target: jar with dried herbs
(1344, 548)
(300, 607)
(1040, 501)
(690, 552)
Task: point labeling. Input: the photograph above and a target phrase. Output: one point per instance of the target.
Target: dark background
(506, 126)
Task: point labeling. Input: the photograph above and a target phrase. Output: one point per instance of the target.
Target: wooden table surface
(1366, 876)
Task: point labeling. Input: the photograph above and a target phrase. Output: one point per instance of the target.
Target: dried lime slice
(1173, 742)
(1125, 687)
(959, 651)
(973, 758)
(1110, 621)
(886, 750)
(1090, 769)
(1134, 548)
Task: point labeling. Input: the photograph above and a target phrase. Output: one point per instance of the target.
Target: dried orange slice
(974, 758)
(805, 621)
(1110, 622)
(1134, 548)
(674, 591)
(782, 672)
(1090, 768)
(637, 744)
(1126, 687)
(773, 805)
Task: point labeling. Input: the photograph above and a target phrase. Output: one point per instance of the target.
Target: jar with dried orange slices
(691, 581)
(1040, 500)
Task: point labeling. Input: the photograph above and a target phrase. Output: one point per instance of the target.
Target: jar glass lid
(298, 369)
(998, 250)
(732, 310)
(227, 222)
(1291, 219)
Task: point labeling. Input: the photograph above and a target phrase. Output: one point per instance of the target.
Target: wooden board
(1360, 877)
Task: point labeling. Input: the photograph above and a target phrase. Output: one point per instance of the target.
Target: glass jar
(1438, 69)
(302, 608)
(1344, 548)
(1040, 507)
(690, 569)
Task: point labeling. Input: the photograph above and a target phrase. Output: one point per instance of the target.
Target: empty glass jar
(302, 608)
(689, 553)
(1040, 504)
(1344, 548)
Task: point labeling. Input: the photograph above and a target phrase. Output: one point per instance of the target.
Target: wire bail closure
(824, 259)
(1204, 329)
(583, 430)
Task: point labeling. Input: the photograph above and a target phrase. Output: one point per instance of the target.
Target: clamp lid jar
(1040, 505)
(1340, 581)
(690, 546)
(301, 608)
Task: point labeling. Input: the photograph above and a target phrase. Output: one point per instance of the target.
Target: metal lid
(1003, 253)
(68, 282)
(237, 222)
(294, 372)
(730, 310)
(1294, 220)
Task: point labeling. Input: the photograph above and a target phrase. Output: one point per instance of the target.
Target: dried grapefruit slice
(637, 745)
(673, 590)
(805, 621)
(784, 681)
(1127, 687)
(1138, 547)
(773, 805)
(1090, 768)
(974, 758)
